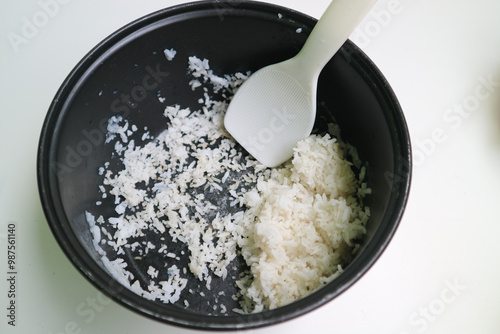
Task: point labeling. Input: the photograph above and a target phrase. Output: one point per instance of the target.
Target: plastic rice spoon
(276, 107)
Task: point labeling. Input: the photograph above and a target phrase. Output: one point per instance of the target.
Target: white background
(441, 272)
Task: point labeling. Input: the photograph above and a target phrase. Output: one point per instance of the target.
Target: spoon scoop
(276, 107)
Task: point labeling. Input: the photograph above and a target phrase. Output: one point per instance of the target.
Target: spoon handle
(333, 29)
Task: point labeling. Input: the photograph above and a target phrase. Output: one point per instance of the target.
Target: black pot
(238, 36)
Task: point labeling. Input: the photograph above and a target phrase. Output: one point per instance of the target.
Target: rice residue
(295, 226)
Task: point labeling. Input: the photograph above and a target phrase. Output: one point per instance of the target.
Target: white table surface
(440, 273)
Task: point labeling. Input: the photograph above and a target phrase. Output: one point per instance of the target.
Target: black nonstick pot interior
(125, 74)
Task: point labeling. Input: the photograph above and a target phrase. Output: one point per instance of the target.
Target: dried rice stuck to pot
(295, 226)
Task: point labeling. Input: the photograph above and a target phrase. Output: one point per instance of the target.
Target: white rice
(169, 54)
(295, 226)
(300, 225)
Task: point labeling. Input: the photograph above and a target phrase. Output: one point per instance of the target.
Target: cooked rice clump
(300, 225)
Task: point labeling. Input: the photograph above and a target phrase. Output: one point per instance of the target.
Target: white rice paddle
(276, 107)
